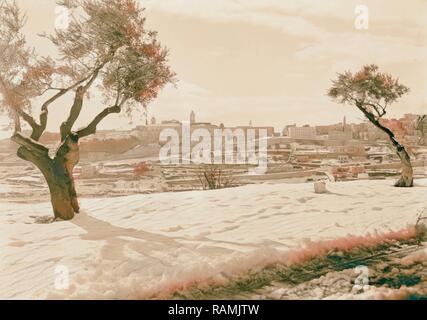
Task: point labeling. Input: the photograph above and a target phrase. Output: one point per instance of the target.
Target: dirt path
(388, 271)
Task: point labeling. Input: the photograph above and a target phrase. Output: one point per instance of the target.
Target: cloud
(294, 16)
(189, 89)
(298, 19)
(361, 46)
(254, 12)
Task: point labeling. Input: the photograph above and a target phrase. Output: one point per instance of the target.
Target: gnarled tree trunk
(62, 191)
(61, 181)
(58, 173)
(406, 178)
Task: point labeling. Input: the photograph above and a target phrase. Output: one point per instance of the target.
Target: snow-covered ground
(147, 246)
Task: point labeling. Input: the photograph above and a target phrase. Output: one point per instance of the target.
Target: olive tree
(106, 44)
(372, 92)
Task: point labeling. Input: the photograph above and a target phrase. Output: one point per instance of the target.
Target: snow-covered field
(147, 246)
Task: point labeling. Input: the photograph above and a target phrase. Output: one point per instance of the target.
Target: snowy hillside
(147, 246)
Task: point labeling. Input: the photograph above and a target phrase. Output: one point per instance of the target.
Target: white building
(307, 132)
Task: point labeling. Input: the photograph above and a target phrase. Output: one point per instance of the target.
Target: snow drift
(147, 246)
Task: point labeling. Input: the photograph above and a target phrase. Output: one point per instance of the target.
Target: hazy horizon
(266, 61)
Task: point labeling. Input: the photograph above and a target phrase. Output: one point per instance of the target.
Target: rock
(320, 187)
(318, 293)
(277, 294)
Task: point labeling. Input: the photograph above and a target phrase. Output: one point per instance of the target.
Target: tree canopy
(372, 91)
(106, 43)
(369, 89)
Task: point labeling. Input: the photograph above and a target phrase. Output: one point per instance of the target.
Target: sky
(266, 61)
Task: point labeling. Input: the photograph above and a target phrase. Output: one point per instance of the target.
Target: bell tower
(192, 117)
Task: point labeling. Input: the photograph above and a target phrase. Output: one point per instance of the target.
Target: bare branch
(91, 128)
(380, 110)
(76, 108)
(29, 119)
(66, 126)
(44, 109)
(30, 144)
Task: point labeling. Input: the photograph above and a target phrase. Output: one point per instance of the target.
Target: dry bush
(140, 169)
(215, 177)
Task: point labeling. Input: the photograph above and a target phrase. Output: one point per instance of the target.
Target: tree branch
(377, 108)
(44, 109)
(76, 108)
(18, 112)
(29, 119)
(66, 126)
(94, 76)
(376, 123)
(91, 128)
(30, 144)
